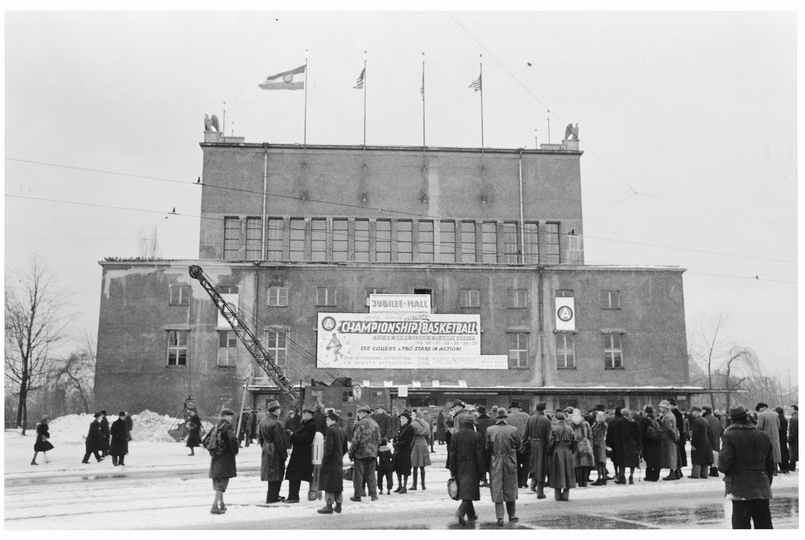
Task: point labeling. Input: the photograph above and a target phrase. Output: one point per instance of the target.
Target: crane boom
(246, 336)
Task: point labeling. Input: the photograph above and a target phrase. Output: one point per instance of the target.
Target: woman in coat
(403, 444)
(119, 446)
(440, 431)
(783, 464)
(42, 443)
(627, 439)
(583, 453)
(332, 464)
(599, 435)
(193, 432)
(300, 466)
(561, 466)
(468, 467)
(420, 456)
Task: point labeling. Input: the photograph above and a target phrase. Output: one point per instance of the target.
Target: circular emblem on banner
(564, 313)
(328, 323)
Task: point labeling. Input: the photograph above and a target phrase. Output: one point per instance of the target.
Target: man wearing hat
(94, 443)
(701, 452)
(332, 469)
(319, 417)
(300, 467)
(670, 453)
(104, 434)
(747, 461)
(501, 444)
(519, 419)
(537, 435)
(769, 422)
(383, 422)
(681, 456)
(363, 451)
(714, 431)
(223, 466)
(271, 437)
(467, 465)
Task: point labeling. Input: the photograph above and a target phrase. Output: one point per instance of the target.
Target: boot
(326, 510)
(422, 472)
(337, 507)
(631, 479)
(222, 506)
(557, 494)
(413, 487)
(403, 489)
(33, 462)
(216, 510)
(540, 490)
(566, 494)
(714, 472)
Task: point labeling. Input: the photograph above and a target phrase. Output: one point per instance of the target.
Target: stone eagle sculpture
(211, 124)
(572, 133)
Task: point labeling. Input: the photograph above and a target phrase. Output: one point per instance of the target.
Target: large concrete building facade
(299, 235)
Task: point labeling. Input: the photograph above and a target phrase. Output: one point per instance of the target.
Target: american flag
(476, 84)
(359, 83)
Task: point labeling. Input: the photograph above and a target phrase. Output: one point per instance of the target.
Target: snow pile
(148, 427)
(71, 428)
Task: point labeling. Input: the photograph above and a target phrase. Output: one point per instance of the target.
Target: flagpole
(304, 139)
(481, 77)
(364, 100)
(423, 100)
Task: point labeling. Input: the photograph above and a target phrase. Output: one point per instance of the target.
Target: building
(299, 237)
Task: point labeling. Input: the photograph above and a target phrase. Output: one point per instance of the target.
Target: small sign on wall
(566, 314)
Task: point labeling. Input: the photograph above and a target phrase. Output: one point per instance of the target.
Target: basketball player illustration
(335, 346)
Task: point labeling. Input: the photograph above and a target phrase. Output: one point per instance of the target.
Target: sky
(687, 120)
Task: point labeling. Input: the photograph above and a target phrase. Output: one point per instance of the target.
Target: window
(340, 240)
(231, 238)
(610, 299)
(425, 241)
(362, 240)
(613, 351)
(325, 296)
(518, 350)
(227, 349)
(318, 239)
(383, 241)
(467, 241)
(564, 293)
(278, 296)
(274, 247)
(405, 241)
(470, 298)
(179, 295)
(254, 238)
(552, 244)
(177, 347)
(277, 345)
(530, 243)
(510, 248)
(565, 350)
(447, 242)
(489, 242)
(297, 242)
(518, 298)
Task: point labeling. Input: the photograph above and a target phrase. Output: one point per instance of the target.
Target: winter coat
(193, 432)
(793, 437)
(300, 467)
(384, 424)
(714, 431)
(350, 427)
(769, 422)
(440, 430)
(365, 439)
(120, 438)
(94, 443)
(224, 465)
(420, 453)
(623, 436)
(518, 420)
(669, 445)
(502, 442)
(467, 462)
(104, 434)
(291, 424)
(561, 467)
(784, 457)
(537, 434)
(701, 451)
(403, 444)
(652, 450)
(332, 461)
(42, 443)
(271, 437)
(599, 435)
(320, 419)
(385, 460)
(482, 423)
(583, 455)
(747, 461)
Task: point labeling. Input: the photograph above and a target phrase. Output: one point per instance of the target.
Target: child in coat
(385, 467)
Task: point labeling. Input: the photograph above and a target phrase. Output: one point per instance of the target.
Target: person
(482, 423)
(452, 423)
(291, 424)
(193, 432)
(561, 467)
(782, 465)
(403, 446)
(129, 424)
(332, 468)
(652, 447)
(42, 443)
(385, 467)
(420, 457)
(519, 419)
(747, 461)
(119, 446)
(681, 456)
(272, 438)
(383, 421)
(300, 467)
(252, 423)
(429, 421)
(467, 467)
(768, 421)
(245, 427)
(701, 451)
(714, 431)
(319, 418)
(627, 437)
(223, 466)
(104, 434)
(440, 429)
(363, 452)
(94, 443)
(350, 425)
(501, 444)
(598, 432)
(537, 433)
(583, 447)
(793, 438)
(670, 453)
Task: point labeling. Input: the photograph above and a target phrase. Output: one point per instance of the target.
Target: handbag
(348, 472)
(452, 489)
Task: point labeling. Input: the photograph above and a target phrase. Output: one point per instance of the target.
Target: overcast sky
(688, 124)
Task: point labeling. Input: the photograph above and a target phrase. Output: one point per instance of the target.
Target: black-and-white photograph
(437, 267)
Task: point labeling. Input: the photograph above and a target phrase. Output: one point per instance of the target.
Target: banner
(565, 314)
(399, 303)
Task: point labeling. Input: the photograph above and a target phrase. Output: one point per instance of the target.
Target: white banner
(565, 314)
(397, 341)
(399, 303)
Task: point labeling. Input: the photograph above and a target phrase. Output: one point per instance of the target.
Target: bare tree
(741, 365)
(148, 245)
(76, 373)
(34, 326)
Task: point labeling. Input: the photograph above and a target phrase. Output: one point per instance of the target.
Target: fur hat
(736, 413)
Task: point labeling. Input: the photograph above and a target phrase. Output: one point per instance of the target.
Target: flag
(476, 84)
(359, 84)
(284, 80)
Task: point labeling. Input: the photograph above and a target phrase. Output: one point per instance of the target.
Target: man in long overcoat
(519, 419)
(537, 434)
(670, 453)
(119, 446)
(319, 417)
(681, 456)
(363, 451)
(467, 466)
(272, 438)
(383, 422)
(291, 424)
(652, 450)
(93, 444)
(793, 438)
(300, 467)
(223, 467)
(714, 431)
(332, 468)
(502, 442)
(768, 422)
(701, 452)
(482, 423)
(561, 466)
(747, 461)
(104, 434)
